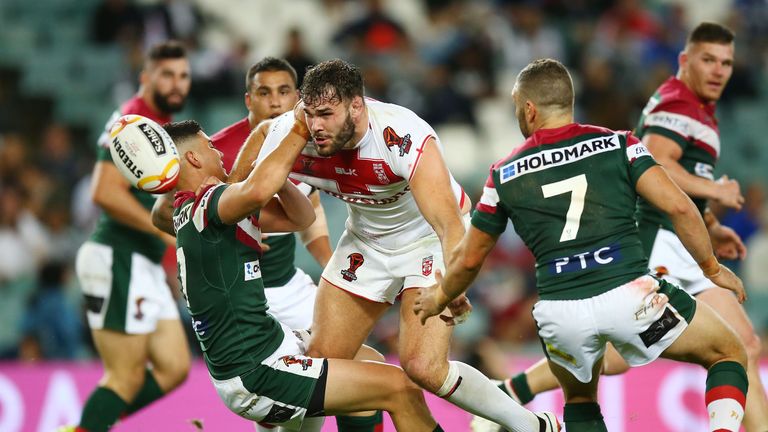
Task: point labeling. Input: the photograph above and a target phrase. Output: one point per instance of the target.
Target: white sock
(470, 390)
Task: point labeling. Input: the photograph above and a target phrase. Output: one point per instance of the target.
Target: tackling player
(405, 214)
(570, 191)
(256, 363)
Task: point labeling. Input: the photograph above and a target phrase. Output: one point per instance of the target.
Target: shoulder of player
(232, 130)
(395, 116)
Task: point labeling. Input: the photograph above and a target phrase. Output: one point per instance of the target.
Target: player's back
(570, 193)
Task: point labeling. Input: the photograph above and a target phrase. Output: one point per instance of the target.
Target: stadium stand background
(65, 64)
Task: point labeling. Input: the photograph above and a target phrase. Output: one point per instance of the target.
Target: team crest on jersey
(393, 139)
(305, 363)
(355, 261)
(426, 265)
(381, 174)
(306, 165)
(139, 315)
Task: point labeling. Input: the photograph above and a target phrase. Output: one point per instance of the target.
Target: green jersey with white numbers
(220, 278)
(570, 194)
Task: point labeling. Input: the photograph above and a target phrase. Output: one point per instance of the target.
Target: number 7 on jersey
(577, 186)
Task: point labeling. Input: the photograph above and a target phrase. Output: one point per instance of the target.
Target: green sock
(371, 423)
(520, 386)
(148, 393)
(102, 410)
(584, 417)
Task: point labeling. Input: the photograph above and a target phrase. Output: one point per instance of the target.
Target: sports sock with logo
(372, 423)
(726, 395)
(583, 417)
(470, 390)
(102, 410)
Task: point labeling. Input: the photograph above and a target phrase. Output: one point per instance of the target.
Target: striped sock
(726, 395)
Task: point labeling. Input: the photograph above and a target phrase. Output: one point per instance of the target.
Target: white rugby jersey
(372, 178)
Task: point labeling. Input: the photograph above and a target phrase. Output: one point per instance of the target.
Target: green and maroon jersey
(108, 230)
(220, 277)
(277, 263)
(570, 194)
(675, 112)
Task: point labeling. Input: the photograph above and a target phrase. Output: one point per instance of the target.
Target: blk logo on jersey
(585, 260)
(393, 139)
(426, 265)
(252, 270)
(355, 261)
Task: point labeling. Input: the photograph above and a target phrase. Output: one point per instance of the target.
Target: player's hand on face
(727, 243)
(726, 279)
(729, 193)
(298, 113)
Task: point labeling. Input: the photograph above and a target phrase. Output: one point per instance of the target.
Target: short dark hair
(332, 80)
(547, 83)
(270, 64)
(182, 131)
(170, 49)
(712, 33)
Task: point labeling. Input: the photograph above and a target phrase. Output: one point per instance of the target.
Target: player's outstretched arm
(246, 197)
(657, 187)
(111, 192)
(431, 188)
(249, 152)
(460, 272)
(667, 153)
(289, 211)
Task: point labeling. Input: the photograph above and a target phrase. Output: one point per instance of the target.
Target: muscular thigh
(341, 322)
(120, 352)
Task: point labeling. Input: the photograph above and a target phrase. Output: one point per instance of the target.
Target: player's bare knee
(423, 372)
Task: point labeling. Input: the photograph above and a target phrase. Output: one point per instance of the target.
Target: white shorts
(293, 303)
(670, 260)
(278, 391)
(381, 276)
(124, 290)
(641, 319)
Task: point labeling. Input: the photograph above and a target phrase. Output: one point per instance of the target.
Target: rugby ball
(144, 153)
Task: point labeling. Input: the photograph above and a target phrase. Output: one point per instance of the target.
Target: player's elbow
(682, 208)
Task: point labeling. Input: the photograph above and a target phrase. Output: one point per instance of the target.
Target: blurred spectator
(373, 33)
(51, 320)
(13, 157)
(116, 21)
(23, 246)
(296, 54)
(57, 158)
(172, 19)
(522, 34)
(23, 242)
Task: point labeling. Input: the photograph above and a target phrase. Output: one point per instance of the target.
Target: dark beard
(344, 136)
(162, 104)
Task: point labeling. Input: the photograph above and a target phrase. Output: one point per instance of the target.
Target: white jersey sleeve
(279, 130)
(405, 137)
